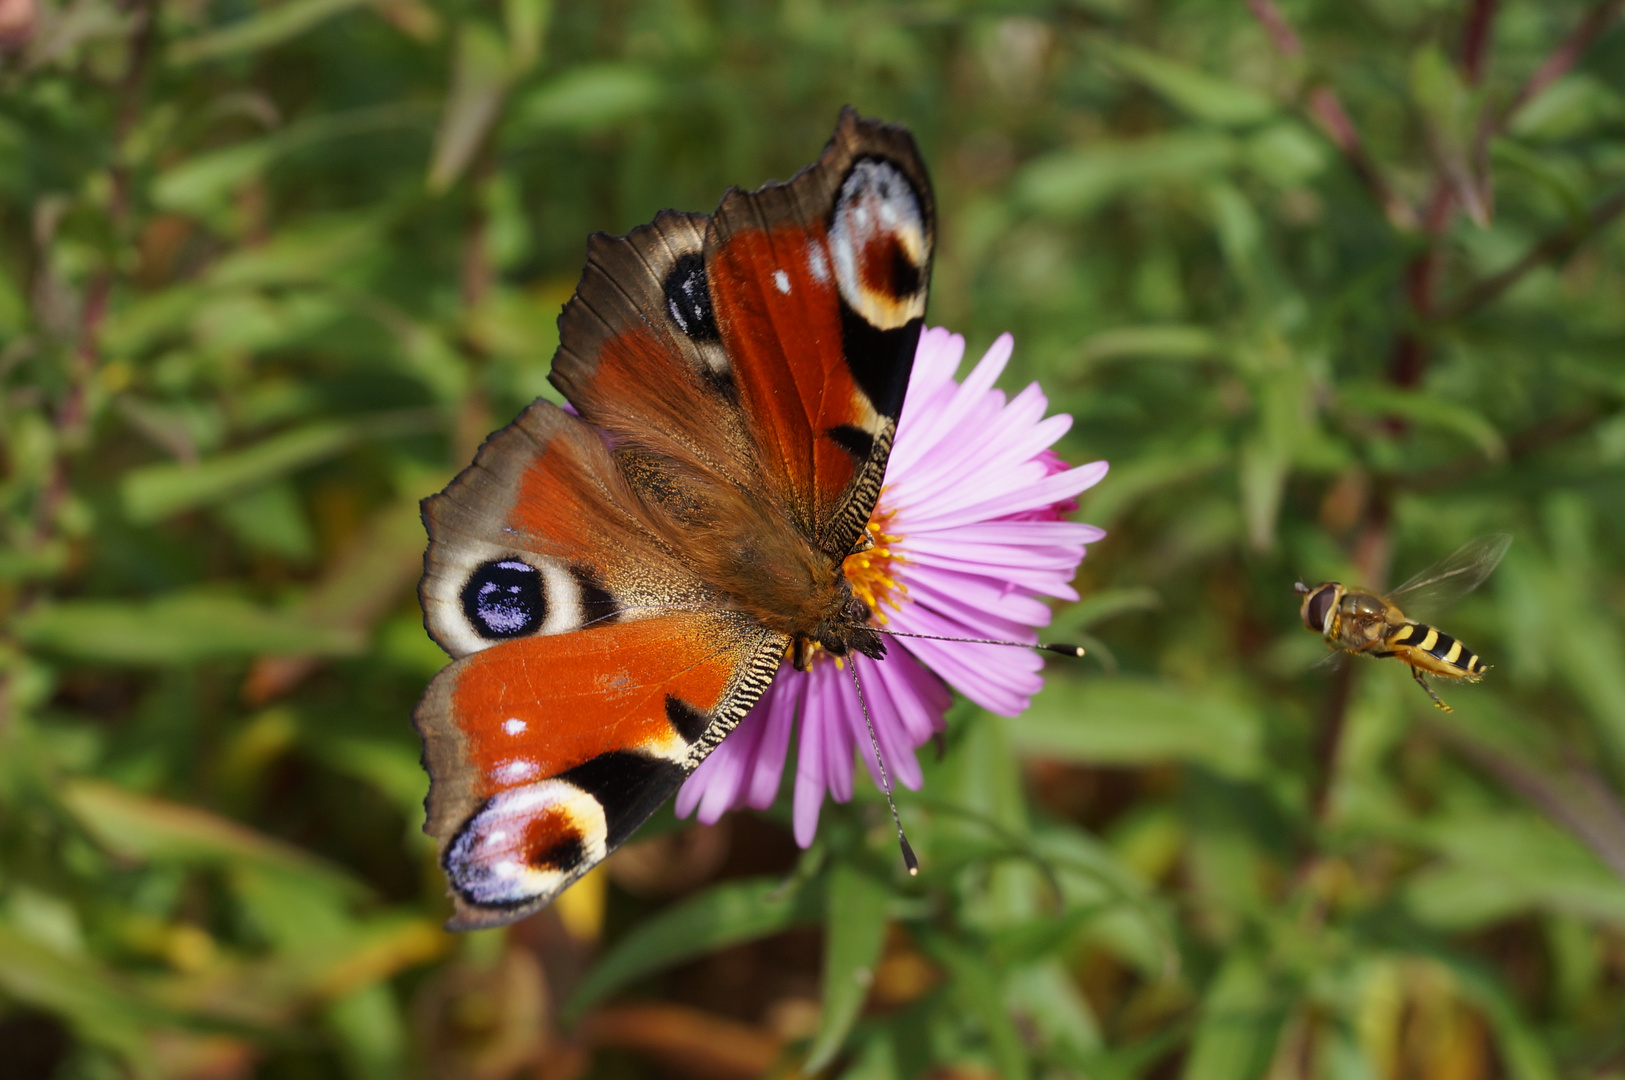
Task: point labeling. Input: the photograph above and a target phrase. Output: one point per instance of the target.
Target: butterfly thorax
(752, 552)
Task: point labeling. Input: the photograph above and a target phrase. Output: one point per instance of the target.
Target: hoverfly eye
(1316, 606)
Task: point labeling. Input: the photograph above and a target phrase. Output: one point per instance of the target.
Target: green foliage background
(1335, 287)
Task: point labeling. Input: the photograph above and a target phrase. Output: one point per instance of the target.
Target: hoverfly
(1363, 623)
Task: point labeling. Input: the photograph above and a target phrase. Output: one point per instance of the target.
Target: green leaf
(371, 1032)
(1286, 154)
(855, 931)
(1152, 342)
(527, 22)
(1121, 721)
(1431, 410)
(589, 98)
(310, 253)
(726, 914)
(1154, 469)
(980, 989)
(1073, 183)
(1239, 1023)
(1100, 606)
(479, 84)
(200, 183)
(1048, 998)
(99, 1010)
(158, 491)
(1569, 107)
(271, 26)
(270, 519)
(147, 829)
(1204, 97)
(181, 628)
(1502, 863)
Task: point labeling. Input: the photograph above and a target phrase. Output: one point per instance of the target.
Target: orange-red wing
(546, 752)
(818, 288)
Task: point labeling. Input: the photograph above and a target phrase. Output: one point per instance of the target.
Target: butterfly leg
(1416, 673)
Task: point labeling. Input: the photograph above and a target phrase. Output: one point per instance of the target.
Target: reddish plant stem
(1554, 248)
(1328, 112)
(1326, 109)
(1286, 40)
(1565, 57)
(71, 413)
(1574, 796)
(1475, 39)
(1532, 439)
(1409, 358)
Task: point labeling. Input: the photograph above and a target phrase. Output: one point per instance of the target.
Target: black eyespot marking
(504, 598)
(905, 275)
(1314, 616)
(854, 440)
(688, 298)
(597, 605)
(689, 722)
(558, 853)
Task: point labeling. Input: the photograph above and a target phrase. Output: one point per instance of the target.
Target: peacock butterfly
(618, 586)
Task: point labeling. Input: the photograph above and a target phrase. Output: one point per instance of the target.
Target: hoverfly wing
(1454, 576)
(1334, 659)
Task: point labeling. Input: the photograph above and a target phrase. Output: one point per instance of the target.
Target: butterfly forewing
(820, 285)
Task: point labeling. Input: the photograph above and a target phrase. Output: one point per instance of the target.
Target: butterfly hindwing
(546, 752)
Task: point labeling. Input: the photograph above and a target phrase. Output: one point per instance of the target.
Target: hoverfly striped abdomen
(1449, 656)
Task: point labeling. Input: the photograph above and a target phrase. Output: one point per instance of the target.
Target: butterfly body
(619, 585)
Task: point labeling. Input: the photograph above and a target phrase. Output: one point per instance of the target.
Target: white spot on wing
(510, 772)
(781, 281)
(514, 726)
(817, 262)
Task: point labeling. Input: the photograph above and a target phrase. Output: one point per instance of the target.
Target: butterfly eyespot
(505, 598)
(879, 244)
(688, 298)
(525, 843)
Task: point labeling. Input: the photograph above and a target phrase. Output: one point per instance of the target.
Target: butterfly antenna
(1074, 651)
(909, 860)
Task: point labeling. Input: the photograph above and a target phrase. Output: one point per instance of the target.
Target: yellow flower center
(873, 573)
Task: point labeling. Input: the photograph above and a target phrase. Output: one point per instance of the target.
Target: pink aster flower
(969, 535)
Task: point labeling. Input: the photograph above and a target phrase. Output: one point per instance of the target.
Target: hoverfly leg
(1416, 673)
